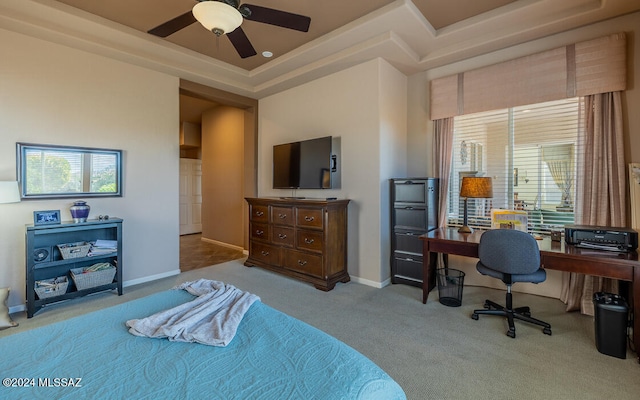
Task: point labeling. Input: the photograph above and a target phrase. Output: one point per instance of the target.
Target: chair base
(519, 313)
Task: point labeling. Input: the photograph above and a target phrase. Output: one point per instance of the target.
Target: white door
(190, 196)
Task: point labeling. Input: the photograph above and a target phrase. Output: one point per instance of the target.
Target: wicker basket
(74, 250)
(47, 288)
(87, 280)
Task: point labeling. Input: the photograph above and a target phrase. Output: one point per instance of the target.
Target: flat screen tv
(302, 165)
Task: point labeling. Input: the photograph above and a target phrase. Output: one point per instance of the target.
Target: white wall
(420, 128)
(366, 107)
(51, 94)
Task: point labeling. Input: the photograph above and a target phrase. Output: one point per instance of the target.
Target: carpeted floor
(432, 351)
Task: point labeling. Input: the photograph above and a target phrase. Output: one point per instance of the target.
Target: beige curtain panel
(580, 69)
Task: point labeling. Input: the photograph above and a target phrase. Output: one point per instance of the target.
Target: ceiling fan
(224, 17)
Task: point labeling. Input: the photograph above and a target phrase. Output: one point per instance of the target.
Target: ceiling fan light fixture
(217, 17)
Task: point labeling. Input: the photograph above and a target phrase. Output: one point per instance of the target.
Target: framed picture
(48, 217)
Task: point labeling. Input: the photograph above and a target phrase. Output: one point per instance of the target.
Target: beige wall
(223, 149)
(420, 128)
(53, 94)
(56, 95)
(365, 106)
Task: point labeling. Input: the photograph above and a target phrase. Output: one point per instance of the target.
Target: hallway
(196, 253)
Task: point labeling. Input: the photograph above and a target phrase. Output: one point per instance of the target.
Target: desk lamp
(474, 188)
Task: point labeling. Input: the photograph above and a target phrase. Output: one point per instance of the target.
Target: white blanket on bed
(210, 319)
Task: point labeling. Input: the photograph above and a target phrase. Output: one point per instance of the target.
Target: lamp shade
(476, 187)
(9, 192)
(219, 18)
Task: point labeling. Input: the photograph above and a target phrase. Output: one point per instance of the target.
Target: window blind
(529, 151)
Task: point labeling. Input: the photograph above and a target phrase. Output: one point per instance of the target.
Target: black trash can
(450, 283)
(610, 316)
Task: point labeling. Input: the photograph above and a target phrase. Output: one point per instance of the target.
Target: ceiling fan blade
(174, 25)
(278, 18)
(241, 42)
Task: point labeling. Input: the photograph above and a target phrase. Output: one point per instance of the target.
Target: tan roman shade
(594, 66)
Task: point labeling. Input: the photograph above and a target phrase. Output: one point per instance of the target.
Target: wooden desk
(553, 255)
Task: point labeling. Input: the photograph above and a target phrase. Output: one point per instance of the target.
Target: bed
(272, 356)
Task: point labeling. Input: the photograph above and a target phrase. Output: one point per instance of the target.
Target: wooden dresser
(302, 238)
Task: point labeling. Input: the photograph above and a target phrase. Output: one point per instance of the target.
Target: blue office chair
(511, 256)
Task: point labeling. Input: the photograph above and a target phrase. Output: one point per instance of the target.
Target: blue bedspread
(273, 356)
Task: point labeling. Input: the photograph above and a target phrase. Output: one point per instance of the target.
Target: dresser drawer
(259, 231)
(265, 253)
(310, 264)
(309, 240)
(282, 216)
(282, 236)
(309, 217)
(259, 213)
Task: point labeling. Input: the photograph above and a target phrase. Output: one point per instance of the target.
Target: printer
(601, 237)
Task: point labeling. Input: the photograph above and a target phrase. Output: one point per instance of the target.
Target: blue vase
(80, 211)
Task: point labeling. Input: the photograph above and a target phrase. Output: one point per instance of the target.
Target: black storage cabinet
(414, 212)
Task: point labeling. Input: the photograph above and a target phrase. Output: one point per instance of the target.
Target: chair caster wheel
(487, 305)
(511, 334)
(547, 331)
(474, 316)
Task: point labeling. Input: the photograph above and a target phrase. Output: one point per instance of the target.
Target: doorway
(203, 239)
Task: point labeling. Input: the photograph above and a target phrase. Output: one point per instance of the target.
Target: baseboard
(18, 308)
(227, 245)
(150, 278)
(367, 282)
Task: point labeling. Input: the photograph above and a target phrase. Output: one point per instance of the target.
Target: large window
(47, 171)
(529, 151)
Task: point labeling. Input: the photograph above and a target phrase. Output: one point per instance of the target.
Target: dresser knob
(308, 241)
(259, 213)
(282, 236)
(282, 216)
(302, 263)
(264, 253)
(308, 219)
(259, 232)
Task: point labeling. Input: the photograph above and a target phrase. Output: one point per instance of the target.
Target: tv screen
(302, 165)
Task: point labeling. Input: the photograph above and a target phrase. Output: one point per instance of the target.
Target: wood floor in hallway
(196, 253)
